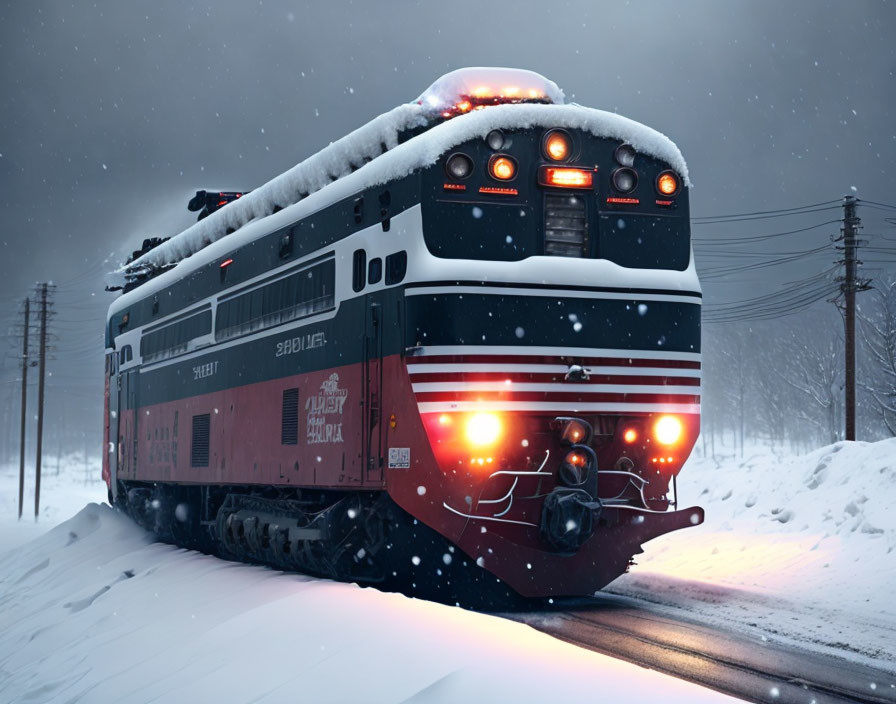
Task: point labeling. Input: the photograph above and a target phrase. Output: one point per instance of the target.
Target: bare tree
(877, 323)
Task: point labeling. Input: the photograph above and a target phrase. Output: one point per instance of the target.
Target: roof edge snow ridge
(360, 154)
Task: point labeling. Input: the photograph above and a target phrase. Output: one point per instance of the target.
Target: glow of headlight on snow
(768, 561)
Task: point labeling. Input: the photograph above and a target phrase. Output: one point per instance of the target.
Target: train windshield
(470, 89)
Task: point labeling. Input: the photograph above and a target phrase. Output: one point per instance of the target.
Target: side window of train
(173, 338)
(125, 355)
(359, 270)
(375, 271)
(308, 291)
(396, 267)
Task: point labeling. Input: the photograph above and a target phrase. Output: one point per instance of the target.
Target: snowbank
(95, 611)
(799, 548)
(62, 494)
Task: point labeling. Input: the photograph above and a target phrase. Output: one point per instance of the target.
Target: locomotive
(459, 346)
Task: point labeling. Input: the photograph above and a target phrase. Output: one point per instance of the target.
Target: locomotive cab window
(375, 271)
(396, 267)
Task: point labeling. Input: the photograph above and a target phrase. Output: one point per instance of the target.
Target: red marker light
(499, 191)
(226, 263)
(627, 201)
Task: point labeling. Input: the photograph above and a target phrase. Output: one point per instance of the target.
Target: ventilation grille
(289, 429)
(565, 229)
(199, 448)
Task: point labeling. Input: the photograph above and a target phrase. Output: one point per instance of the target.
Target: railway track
(747, 667)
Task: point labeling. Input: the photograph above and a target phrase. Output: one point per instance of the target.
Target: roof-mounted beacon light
(468, 89)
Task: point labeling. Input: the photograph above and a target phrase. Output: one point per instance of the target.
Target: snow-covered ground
(794, 548)
(62, 493)
(94, 611)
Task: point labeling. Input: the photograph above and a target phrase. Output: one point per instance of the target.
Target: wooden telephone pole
(26, 313)
(849, 285)
(42, 292)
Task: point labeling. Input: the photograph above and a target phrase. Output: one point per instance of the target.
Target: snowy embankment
(64, 492)
(95, 611)
(794, 548)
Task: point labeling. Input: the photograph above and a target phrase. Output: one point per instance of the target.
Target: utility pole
(849, 285)
(26, 312)
(42, 291)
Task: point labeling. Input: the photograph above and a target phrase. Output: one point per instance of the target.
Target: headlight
(625, 155)
(459, 166)
(667, 183)
(495, 140)
(557, 145)
(483, 429)
(668, 430)
(625, 179)
(502, 167)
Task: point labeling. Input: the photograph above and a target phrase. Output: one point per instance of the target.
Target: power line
(717, 272)
(704, 241)
(862, 201)
(765, 212)
(698, 221)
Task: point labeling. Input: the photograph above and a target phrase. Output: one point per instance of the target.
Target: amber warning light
(565, 177)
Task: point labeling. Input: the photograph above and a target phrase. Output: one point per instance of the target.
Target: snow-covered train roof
(369, 156)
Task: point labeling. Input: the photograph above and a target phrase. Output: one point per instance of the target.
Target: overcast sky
(113, 113)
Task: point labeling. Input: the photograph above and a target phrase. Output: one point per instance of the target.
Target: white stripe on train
(621, 371)
(516, 387)
(566, 407)
(516, 351)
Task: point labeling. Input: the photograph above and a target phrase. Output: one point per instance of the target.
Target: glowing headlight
(668, 430)
(483, 429)
(503, 168)
(667, 184)
(556, 145)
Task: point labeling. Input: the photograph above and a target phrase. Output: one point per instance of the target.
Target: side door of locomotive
(126, 402)
(372, 439)
(114, 436)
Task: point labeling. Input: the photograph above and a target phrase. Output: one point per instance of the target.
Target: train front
(552, 341)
